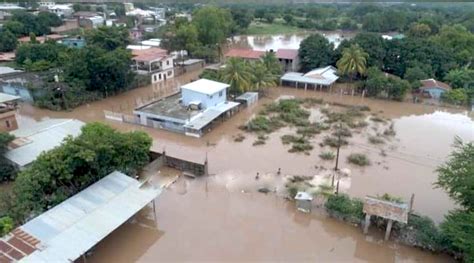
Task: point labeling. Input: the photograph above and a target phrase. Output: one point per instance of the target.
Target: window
(17, 92)
(167, 62)
(169, 73)
(154, 76)
(7, 122)
(220, 93)
(210, 96)
(159, 76)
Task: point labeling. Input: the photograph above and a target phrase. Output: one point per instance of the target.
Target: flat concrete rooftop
(169, 107)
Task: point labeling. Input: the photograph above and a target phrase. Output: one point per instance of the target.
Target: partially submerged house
(8, 105)
(315, 79)
(288, 58)
(19, 83)
(154, 62)
(30, 142)
(192, 111)
(432, 88)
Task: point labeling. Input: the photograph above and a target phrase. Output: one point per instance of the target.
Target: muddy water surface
(212, 219)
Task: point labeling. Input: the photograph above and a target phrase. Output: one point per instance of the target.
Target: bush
(327, 155)
(358, 159)
(421, 232)
(345, 208)
(6, 225)
(342, 131)
(390, 131)
(262, 124)
(376, 140)
(334, 141)
(458, 228)
(239, 138)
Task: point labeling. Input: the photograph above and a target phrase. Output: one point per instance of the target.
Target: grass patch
(358, 159)
(261, 139)
(376, 140)
(260, 28)
(390, 198)
(312, 129)
(239, 138)
(327, 155)
(334, 141)
(299, 143)
(263, 124)
(342, 131)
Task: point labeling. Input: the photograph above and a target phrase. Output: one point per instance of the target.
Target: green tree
(455, 96)
(76, 164)
(262, 77)
(6, 225)
(15, 27)
(272, 64)
(213, 24)
(315, 51)
(460, 78)
(419, 30)
(8, 41)
(237, 74)
(242, 18)
(353, 61)
(289, 19)
(7, 170)
(108, 38)
(458, 228)
(456, 176)
(49, 19)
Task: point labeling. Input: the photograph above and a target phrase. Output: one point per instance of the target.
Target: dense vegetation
(97, 70)
(71, 167)
(7, 170)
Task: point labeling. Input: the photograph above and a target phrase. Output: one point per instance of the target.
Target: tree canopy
(315, 51)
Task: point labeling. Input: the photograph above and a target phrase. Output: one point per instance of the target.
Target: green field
(260, 28)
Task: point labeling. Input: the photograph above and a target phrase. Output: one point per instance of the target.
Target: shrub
(263, 124)
(376, 140)
(334, 141)
(358, 159)
(344, 207)
(301, 147)
(422, 232)
(327, 155)
(6, 225)
(390, 131)
(239, 138)
(458, 228)
(342, 131)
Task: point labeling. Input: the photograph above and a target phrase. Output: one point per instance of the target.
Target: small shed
(248, 98)
(304, 201)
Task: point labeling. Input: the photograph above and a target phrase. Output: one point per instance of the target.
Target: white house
(192, 112)
(316, 78)
(61, 10)
(46, 4)
(154, 62)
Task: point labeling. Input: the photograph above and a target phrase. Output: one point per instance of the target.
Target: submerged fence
(193, 168)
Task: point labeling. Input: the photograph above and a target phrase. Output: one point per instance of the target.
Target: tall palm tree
(237, 74)
(353, 61)
(271, 63)
(262, 77)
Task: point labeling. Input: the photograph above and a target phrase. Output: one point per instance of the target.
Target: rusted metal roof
(244, 53)
(432, 83)
(287, 53)
(149, 54)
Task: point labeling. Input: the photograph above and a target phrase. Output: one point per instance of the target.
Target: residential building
(155, 62)
(10, 7)
(8, 105)
(46, 4)
(45, 135)
(288, 58)
(432, 88)
(316, 78)
(18, 83)
(42, 39)
(74, 42)
(61, 10)
(193, 111)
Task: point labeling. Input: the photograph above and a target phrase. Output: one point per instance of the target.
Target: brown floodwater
(222, 217)
(208, 223)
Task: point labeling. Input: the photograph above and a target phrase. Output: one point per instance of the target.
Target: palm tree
(353, 61)
(237, 74)
(262, 77)
(271, 63)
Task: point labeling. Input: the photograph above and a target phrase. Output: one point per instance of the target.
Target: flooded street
(290, 41)
(211, 219)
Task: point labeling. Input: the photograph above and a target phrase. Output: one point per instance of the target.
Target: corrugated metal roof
(205, 86)
(7, 97)
(44, 136)
(73, 227)
(320, 76)
(209, 115)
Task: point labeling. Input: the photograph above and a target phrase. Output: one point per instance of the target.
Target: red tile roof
(244, 53)
(432, 83)
(17, 245)
(287, 53)
(149, 54)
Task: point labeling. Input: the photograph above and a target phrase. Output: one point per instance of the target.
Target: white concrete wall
(162, 75)
(206, 100)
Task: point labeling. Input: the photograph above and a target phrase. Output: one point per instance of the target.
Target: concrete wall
(435, 93)
(206, 100)
(8, 121)
(162, 75)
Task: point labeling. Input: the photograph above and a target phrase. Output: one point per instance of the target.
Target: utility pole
(337, 154)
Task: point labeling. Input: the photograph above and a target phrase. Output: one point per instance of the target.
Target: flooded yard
(223, 217)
